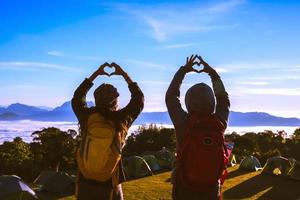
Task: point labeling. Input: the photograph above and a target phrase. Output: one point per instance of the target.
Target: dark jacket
(179, 118)
(123, 119)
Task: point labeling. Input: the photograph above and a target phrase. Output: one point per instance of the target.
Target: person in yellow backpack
(103, 129)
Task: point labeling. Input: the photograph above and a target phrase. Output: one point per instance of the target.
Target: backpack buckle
(207, 141)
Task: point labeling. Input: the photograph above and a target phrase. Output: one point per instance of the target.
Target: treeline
(51, 148)
(266, 144)
(55, 149)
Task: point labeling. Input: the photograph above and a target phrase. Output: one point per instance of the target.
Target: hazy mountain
(67, 107)
(45, 108)
(65, 113)
(23, 110)
(260, 119)
(2, 109)
(154, 117)
(235, 119)
(60, 113)
(9, 116)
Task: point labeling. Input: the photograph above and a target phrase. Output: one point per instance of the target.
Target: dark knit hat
(200, 99)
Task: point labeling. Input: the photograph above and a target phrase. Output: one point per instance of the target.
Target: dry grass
(239, 185)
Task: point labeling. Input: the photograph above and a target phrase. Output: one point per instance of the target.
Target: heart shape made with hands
(198, 67)
(109, 69)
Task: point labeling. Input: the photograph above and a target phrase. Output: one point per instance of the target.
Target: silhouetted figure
(199, 133)
(103, 129)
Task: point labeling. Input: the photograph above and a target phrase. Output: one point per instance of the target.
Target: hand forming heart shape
(198, 67)
(109, 69)
(193, 63)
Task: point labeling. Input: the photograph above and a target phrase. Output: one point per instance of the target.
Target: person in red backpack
(201, 153)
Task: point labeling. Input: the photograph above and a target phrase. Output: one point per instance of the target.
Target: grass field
(239, 185)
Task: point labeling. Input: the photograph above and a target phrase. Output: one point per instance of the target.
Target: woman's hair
(106, 97)
(110, 115)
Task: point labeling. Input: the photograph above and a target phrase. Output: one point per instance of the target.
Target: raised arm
(172, 97)
(136, 104)
(223, 103)
(79, 104)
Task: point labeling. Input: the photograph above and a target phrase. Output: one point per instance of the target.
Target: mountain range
(64, 112)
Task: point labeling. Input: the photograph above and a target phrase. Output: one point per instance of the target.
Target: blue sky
(48, 47)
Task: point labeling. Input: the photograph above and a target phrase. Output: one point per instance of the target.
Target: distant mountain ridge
(23, 110)
(64, 112)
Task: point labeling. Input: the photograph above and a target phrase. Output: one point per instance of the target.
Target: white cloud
(164, 20)
(278, 65)
(274, 91)
(154, 82)
(152, 65)
(278, 77)
(225, 6)
(259, 83)
(177, 46)
(265, 71)
(24, 65)
(157, 28)
(221, 70)
(68, 55)
(56, 53)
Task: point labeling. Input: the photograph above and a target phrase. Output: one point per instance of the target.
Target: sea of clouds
(24, 128)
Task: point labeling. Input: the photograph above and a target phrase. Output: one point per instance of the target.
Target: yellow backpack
(100, 150)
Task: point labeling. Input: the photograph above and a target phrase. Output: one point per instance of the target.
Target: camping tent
(294, 172)
(135, 167)
(56, 182)
(152, 162)
(232, 160)
(12, 187)
(250, 163)
(277, 166)
(165, 158)
(44, 177)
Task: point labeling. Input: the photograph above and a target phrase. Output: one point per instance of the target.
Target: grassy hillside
(239, 185)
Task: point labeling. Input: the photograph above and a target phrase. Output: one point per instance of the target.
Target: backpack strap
(83, 134)
(191, 121)
(224, 176)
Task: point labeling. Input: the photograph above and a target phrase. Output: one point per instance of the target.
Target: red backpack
(202, 157)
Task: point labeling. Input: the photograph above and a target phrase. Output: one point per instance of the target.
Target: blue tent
(250, 163)
(12, 187)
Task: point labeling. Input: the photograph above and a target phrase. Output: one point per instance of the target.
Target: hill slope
(239, 185)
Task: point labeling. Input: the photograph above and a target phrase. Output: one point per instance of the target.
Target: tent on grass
(12, 187)
(250, 163)
(229, 148)
(55, 182)
(277, 166)
(165, 158)
(232, 160)
(152, 162)
(44, 177)
(135, 167)
(294, 172)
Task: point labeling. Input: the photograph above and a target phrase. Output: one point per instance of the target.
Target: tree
(297, 135)
(16, 158)
(151, 138)
(244, 146)
(54, 148)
